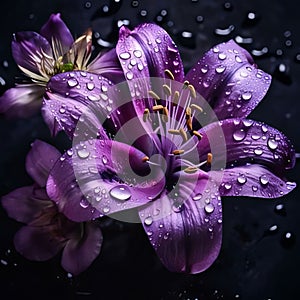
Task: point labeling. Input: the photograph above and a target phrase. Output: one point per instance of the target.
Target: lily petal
(21, 101)
(78, 254)
(102, 177)
(253, 181)
(108, 65)
(25, 203)
(40, 160)
(36, 244)
(28, 49)
(248, 142)
(186, 238)
(57, 33)
(229, 80)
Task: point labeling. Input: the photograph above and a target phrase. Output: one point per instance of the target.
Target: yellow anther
(189, 123)
(192, 91)
(197, 134)
(169, 74)
(190, 170)
(197, 107)
(146, 114)
(165, 116)
(185, 84)
(167, 90)
(183, 134)
(157, 107)
(209, 158)
(178, 152)
(145, 158)
(174, 131)
(153, 95)
(176, 98)
(188, 112)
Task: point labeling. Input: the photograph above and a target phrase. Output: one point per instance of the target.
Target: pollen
(189, 123)
(177, 152)
(145, 159)
(169, 74)
(192, 91)
(209, 158)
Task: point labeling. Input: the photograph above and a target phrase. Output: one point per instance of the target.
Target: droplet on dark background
(280, 209)
(107, 10)
(288, 239)
(199, 19)
(224, 31)
(281, 73)
(187, 38)
(134, 3)
(228, 6)
(251, 19)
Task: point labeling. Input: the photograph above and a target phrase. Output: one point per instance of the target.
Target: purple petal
(72, 94)
(35, 243)
(28, 48)
(102, 177)
(229, 80)
(78, 254)
(148, 50)
(22, 101)
(187, 238)
(108, 65)
(55, 30)
(253, 181)
(247, 142)
(40, 160)
(25, 203)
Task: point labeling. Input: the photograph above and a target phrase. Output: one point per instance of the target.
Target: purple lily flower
(168, 155)
(42, 55)
(48, 231)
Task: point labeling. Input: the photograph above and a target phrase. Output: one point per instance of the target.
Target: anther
(176, 98)
(167, 90)
(197, 107)
(185, 84)
(183, 134)
(209, 158)
(145, 158)
(189, 123)
(153, 95)
(169, 74)
(192, 91)
(165, 114)
(188, 113)
(197, 134)
(177, 152)
(190, 170)
(146, 114)
(157, 107)
(174, 131)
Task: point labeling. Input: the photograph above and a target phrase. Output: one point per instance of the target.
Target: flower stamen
(192, 91)
(167, 90)
(153, 95)
(146, 114)
(169, 74)
(197, 107)
(177, 151)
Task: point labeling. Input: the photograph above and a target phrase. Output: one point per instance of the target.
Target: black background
(254, 263)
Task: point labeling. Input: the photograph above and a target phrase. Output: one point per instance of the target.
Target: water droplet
(134, 3)
(222, 56)
(220, 69)
(177, 207)
(204, 69)
(209, 208)
(238, 59)
(148, 221)
(254, 188)
(224, 31)
(288, 239)
(264, 179)
(273, 229)
(272, 144)
(125, 55)
(242, 179)
(248, 123)
(62, 110)
(90, 86)
(129, 75)
(137, 53)
(227, 186)
(258, 151)
(197, 197)
(93, 97)
(72, 82)
(83, 153)
(239, 135)
(84, 203)
(120, 192)
(255, 136)
(280, 209)
(106, 209)
(104, 159)
(246, 96)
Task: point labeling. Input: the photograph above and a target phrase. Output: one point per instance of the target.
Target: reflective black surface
(258, 260)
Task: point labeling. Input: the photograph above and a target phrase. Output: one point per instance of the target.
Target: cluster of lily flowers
(150, 144)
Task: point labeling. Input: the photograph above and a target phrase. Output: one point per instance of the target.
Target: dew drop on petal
(222, 56)
(264, 179)
(106, 209)
(125, 55)
(246, 96)
(209, 208)
(258, 151)
(84, 203)
(83, 153)
(239, 135)
(220, 69)
(148, 221)
(104, 159)
(72, 82)
(120, 192)
(177, 207)
(90, 86)
(242, 179)
(129, 75)
(272, 144)
(227, 186)
(137, 53)
(197, 197)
